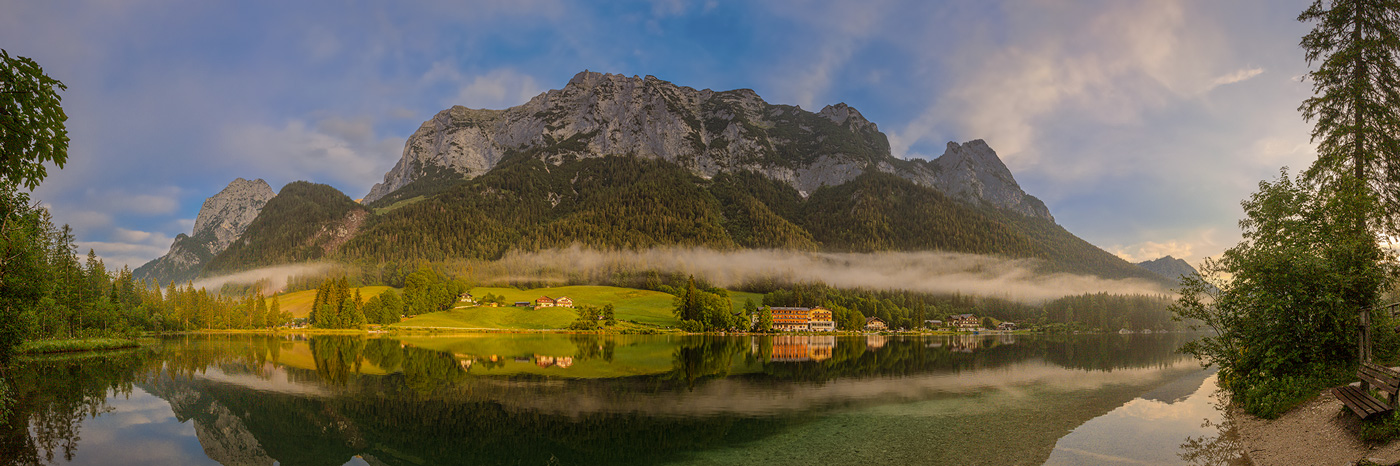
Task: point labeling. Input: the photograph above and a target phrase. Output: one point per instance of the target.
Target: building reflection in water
(796, 348)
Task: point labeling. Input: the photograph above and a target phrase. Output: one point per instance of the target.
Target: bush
(1299, 275)
(692, 326)
(584, 325)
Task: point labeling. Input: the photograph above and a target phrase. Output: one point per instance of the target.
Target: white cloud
(496, 89)
(334, 150)
(125, 247)
(1238, 76)
(845, 27)
(1149, 250)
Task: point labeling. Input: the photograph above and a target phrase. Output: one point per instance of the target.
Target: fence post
(1365, 336)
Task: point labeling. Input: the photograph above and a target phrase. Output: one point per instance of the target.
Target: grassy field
(299, 303)
(76, 344)
(643, 306)
(632, 355)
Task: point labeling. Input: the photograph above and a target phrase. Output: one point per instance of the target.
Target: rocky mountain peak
(846, 115)
(973, 172)
(229, 212)
(705, 131)
(222, 219)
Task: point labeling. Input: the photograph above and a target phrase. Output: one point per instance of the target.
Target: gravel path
(1320, 432)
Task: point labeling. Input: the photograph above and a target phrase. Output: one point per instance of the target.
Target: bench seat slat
(1363, 404)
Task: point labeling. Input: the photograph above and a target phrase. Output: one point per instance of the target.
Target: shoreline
(1319, 431)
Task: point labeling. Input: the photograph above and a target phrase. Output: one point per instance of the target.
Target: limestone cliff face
(705, 131)
(973, 173)
(222, 219)
(228, 213)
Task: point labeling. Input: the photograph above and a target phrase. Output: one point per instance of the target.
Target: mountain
(222, 219)
(703, 131)
(305, 221)
(1170, 267)
(612, 162)
(631, 202)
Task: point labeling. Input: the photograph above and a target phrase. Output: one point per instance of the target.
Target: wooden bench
(1359, 399)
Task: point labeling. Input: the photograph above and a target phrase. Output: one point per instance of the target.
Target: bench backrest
(1380, 378)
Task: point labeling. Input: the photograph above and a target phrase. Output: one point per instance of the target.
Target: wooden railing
(1365, 341)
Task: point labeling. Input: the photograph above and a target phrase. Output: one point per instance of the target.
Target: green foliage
(336, 307)
(587, 318)
(294, 226)
(1356, 102)
(1111, 312)
(609, 314)
(426, 291)
(78, 344)
(712, 309)
(765, 319)
(1292, 279)
(1379, 430)
(623, 202)
(32, 122)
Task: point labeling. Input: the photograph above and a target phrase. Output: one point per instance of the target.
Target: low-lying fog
(925, 272)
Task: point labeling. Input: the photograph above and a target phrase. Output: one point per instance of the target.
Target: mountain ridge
(1170, 267)
(705, 131)
(222, 218)
(665, 166)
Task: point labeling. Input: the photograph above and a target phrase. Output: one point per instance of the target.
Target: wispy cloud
(344, 152)
(1238, 76)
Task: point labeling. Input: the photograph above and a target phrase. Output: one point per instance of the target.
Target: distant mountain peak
(1170, 267)
(221, 220)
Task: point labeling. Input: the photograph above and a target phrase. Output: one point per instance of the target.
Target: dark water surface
(556, 399)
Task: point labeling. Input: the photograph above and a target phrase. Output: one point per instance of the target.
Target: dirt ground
(1320, 432)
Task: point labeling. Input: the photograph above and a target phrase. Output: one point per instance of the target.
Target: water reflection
(1186, 408)
(590, 399)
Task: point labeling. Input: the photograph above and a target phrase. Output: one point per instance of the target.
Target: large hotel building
(801, 319)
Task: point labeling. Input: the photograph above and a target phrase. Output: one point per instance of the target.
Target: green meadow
(629, 304)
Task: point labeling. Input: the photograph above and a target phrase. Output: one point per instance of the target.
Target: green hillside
(299, 302)
(647, 307)
(635, 203)
(629, 304)
(621, 202)
(304, 222)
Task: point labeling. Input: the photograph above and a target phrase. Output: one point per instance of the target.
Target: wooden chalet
(964, 321)
(544, 301)
(875, 323)
(563, 301)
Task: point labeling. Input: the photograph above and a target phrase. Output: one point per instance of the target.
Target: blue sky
(1141, 123)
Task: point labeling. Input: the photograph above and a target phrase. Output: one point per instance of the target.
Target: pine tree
(260, 318)
(1356, 109)
(274, 311)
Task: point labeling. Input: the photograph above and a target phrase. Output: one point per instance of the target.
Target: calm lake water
(556, 399)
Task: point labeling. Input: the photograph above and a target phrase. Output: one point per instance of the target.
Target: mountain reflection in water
(587, 399)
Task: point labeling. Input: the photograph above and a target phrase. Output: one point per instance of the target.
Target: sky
(1140, 123)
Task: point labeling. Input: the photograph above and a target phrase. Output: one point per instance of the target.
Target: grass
(299, 303)
(647, 308)
(74, 344)
(396, 205)
(632, 355)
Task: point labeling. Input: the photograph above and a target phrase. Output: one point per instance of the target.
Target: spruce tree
(1356, 111)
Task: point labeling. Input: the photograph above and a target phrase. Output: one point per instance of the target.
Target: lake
(558, 399)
